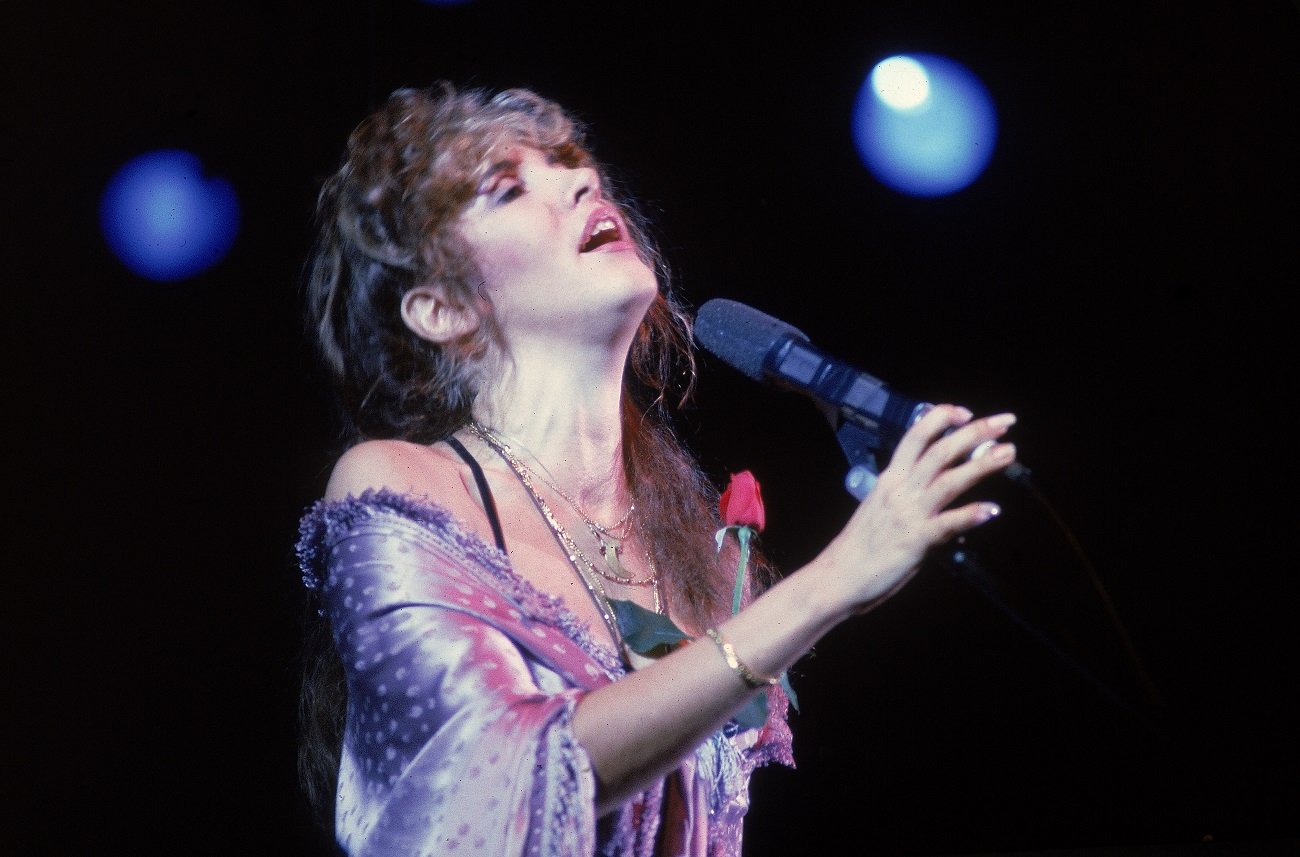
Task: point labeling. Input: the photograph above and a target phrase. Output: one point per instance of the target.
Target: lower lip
(613, 247)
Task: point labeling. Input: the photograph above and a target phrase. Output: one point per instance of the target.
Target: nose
(585, 184)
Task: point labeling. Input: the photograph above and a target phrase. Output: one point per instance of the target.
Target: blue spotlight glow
(164, 219)
(924, 124)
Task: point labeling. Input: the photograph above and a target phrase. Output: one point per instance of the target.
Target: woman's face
(555, 256)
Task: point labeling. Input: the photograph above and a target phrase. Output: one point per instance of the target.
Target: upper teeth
(603, 226)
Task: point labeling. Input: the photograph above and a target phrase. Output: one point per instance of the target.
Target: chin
(621, 290)
(633, 280)
(642, 291)
(645, 277)
(627, 305)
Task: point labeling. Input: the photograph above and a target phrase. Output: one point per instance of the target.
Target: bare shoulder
(432, 472)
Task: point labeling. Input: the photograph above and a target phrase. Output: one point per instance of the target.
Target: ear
(431, 315)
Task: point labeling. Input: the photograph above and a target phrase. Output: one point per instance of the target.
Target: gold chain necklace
(610, 541)
(611, 544)
(591, 577)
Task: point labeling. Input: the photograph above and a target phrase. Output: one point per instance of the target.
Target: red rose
(742, 503)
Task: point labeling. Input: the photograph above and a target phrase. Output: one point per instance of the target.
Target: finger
(961, 443)
(923, 432)
(952, 483)
(953, 522)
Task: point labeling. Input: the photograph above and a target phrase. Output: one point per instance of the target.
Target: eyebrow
(500, 167)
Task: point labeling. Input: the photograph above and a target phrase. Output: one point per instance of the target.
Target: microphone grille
(740, 335)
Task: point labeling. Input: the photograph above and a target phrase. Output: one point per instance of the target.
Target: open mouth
(604, 231)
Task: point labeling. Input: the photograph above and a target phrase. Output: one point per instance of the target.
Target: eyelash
(513, 192)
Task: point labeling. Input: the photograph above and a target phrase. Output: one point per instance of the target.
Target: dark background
(1120, 277)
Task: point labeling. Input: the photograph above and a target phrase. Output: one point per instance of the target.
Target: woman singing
(502, 345)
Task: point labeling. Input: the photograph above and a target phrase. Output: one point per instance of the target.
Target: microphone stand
(966, 566)
(860, 445)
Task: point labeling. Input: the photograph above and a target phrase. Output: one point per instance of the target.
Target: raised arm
(639, 728)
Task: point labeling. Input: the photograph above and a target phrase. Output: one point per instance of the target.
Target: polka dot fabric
(462, 681)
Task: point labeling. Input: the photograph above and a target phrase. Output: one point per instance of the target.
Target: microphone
(770, 351)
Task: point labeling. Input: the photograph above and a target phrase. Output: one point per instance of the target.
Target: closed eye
(512, 191)
(502, 183)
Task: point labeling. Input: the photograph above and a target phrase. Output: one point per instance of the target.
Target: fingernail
(982, 449)
(1004, 453)
(988, 511)
(1002, 422)
(964, 413)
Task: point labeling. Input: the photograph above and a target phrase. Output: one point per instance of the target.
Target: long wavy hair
(385, 226)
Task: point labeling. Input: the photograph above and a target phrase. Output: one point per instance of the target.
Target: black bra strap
(489, 505)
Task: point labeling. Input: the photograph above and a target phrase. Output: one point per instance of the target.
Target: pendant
(610, 551)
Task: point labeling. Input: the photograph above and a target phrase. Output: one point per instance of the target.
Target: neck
(563, 418)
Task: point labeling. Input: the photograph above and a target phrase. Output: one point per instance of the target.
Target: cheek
(517, 257)
(503, 263)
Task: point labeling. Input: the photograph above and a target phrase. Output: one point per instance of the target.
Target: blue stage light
(164, 219)
(924, 124)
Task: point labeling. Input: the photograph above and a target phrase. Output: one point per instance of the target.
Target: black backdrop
(1119, 277)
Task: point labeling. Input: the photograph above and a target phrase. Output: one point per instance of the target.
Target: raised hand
(907, 513)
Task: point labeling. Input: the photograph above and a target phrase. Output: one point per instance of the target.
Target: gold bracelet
(729, 652)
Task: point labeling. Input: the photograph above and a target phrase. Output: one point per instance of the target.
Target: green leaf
(754, 714)
(644, 631)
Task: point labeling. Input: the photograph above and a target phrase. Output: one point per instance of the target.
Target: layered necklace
(610, 538)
